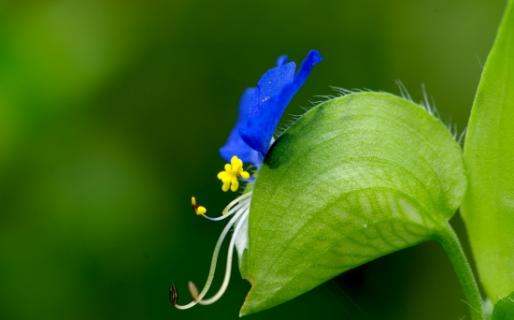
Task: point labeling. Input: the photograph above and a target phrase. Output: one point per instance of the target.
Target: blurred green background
(111, 114)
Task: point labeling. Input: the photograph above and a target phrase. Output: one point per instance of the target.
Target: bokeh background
(111, 113)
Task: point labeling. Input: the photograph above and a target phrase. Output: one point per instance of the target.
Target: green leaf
(504, 309)
(488, 208)
(355, 178)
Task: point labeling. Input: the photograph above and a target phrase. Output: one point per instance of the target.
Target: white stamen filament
(238, 201)
(215, 218)
(214, 261)
(231, 208)
(239, 212)
(228, 270)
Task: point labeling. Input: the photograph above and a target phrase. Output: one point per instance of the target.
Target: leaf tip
(247, 307)
(257, 299)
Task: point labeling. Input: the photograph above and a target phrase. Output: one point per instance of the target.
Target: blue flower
(260, 110)
(262, 107)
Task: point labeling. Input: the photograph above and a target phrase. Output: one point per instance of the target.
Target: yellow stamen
(199, 210)
(230, 176)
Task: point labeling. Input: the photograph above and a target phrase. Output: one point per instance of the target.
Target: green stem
(451, 245)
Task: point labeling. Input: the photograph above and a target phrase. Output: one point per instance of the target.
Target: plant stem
(449, 240)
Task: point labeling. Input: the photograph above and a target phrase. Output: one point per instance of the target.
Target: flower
(260, 110)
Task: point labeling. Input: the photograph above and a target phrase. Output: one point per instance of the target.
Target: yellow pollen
(230, 176)
(199, 210)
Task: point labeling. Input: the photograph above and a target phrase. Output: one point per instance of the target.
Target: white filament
(240, 211)
(231, 208)
(228, 269)
(239, 201)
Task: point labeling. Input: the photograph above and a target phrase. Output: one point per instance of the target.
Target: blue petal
(274, 80)
(261, 108)
(235, 146)
(283, 59)
(312, 58)
(276, 88)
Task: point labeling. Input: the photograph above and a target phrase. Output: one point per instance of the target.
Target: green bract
(355, 178)
(488, 209)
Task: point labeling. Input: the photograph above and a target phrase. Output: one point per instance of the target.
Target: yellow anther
(236, 163)
(230, 176)
(234, 184)
(199, 210)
